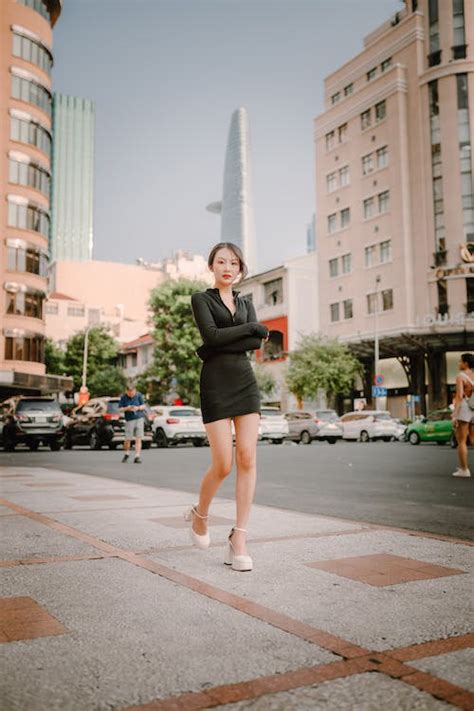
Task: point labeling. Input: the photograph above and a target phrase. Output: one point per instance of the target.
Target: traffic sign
(377, 391)
(378, 379)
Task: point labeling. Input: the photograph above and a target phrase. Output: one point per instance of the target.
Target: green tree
(176, 365)
(53, 358)
(265, 380)
(321, 363)
(101, 360)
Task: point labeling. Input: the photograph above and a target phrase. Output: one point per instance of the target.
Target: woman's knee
(245, 458)
(222, 467)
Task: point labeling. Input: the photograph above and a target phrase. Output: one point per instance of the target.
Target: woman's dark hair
(233, 248)
(468, 358)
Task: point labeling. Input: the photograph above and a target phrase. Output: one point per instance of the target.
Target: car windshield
(270, 413)
(113, 407)
(382, 416)
(184, 413)
(49, 405)
(326, 415)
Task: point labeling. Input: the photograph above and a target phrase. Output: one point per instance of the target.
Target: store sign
(467, 252)
(461, 270)
(459, 319)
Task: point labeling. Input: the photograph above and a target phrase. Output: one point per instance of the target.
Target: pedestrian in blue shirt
(133, 405)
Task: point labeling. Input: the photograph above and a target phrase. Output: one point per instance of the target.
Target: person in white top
(463, 414)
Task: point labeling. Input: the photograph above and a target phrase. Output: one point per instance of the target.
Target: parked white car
(273, 425)
(178, 423)
(367, 425)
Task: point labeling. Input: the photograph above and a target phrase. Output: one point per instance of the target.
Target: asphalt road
(393, 484)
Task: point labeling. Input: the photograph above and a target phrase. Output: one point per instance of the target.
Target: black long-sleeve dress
(228, 386)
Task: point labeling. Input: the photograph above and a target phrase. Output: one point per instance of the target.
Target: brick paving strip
(356, 659)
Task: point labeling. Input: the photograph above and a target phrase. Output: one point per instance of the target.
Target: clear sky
(166, 75)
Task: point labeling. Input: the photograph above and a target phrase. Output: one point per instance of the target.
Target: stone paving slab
(456, 667)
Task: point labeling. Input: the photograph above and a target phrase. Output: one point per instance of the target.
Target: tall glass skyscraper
(73, 172)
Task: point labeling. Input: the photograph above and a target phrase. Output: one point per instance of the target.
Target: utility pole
(84, 360)
(376, 339)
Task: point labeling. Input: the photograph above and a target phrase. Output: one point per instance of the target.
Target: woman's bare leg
(219, 434)
(246, 435)
(461, 436)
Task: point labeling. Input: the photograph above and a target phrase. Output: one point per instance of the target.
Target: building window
(32, 51)
(380, 111)
(39, 6)
(442, 288)
(365, 119)
(369, 208)
(465, 161)
(28, 348)
(27, 131)
(370, 256)
(387, 299)
(30, 174)
(384, 201)
(31, 92)
(24, 302)
(469, 296)
(331, 182)
(333, 267)
(371, 74)
(346, 263)
(335, 98)
(24, 257)
(51, 309)
(76, 311)
(386, 251)
(348, 311)
(273, 292)
(273, 348)
(332, 223)
(330, 140)
(436, 167)
(459, 35)
(371, 303)
(386, 64)
(434, 56)
(334, 312)
(342, 133)
(344, 178)
(382, 157)
(345, 217)
(28, 217)
(367, 164)
(348, 89)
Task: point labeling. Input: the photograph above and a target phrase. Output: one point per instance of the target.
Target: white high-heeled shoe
(203, 541)
(242, 563)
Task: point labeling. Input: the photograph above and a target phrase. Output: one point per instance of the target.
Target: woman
(229, 328)
(463, 414)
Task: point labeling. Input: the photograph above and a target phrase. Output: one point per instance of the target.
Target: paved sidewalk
(105, 605)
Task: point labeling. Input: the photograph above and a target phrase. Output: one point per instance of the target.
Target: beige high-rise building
(394, 195)
(25, 175)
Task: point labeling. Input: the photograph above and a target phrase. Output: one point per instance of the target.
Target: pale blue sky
(166, 76)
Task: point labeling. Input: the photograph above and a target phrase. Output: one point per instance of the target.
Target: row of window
(30, 348)
(28, 131)
(37, 5)
(31, 92)
(30, 174)
(376, 302)
(459, 33)
(27, 259)
(337, 221)
(374, 254)
(377, 113)
(25, 303)
(371, 74)
(372, 161)
(28, 217)
(375, 205)
(32, 51)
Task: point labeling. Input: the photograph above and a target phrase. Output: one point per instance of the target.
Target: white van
(367, 425)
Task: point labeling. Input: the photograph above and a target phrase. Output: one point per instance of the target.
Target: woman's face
(226, 267)
(463, 365)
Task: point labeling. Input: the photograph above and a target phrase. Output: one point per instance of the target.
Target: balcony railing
(459, 51)
(434, 58)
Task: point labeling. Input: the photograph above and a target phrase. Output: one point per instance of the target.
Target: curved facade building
(238, 224)
(26, 61)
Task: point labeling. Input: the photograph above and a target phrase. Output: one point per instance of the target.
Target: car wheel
(112, 445)
(305, 437)
(198, 442)
(364, 436)
(414, 438)
(33, 446)
(161, 439)
(331, 440)
(94, 440)
(55, 445)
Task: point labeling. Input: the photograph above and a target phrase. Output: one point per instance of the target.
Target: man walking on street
(133, 405)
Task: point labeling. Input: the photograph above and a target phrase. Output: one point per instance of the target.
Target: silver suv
(178, 423)
(31, 421)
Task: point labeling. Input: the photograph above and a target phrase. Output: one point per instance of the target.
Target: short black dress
(228, 385)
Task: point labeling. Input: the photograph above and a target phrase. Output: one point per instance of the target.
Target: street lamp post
(84, 359)
(376, 338)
